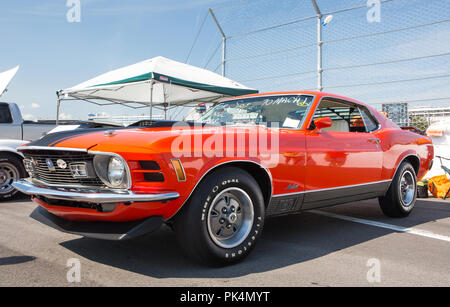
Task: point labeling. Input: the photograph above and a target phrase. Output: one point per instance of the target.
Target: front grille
(60, 176)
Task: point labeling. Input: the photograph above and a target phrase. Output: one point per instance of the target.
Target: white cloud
(28, 117)
(64, 116)
(35, 106)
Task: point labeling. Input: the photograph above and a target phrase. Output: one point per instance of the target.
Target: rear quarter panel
(398, 144)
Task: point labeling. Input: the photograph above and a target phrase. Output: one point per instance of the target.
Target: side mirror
(323, 122)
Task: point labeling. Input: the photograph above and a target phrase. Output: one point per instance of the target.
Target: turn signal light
(179, 169)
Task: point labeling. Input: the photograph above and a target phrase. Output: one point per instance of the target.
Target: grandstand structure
(431, 114)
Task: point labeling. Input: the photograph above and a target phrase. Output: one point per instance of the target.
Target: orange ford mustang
(215, 181)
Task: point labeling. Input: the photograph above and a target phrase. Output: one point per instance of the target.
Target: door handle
(373, 140)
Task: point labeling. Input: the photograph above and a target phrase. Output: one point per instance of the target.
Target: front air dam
(99, 230)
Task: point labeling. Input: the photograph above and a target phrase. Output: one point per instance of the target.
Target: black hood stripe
(61, 140)
(53, 139)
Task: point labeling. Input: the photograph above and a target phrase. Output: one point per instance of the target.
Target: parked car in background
(14, 132)
(122, 183)
(13, 126)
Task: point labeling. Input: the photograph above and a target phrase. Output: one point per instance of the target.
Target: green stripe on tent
(167, 79)
(202, 86)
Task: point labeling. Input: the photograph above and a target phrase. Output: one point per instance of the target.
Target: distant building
(397, 112)
(400, 114)
(431, 114)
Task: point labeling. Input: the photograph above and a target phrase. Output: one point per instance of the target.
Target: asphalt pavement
(347, 245)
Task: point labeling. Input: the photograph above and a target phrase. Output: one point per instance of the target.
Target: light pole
(319, 46)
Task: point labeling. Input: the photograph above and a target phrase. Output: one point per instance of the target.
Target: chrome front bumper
(90, 196)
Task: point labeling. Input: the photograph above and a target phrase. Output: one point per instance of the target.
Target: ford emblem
(50, 165)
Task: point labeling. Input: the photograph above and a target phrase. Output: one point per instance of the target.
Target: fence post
(224, 54)
(224, 41)
(319, 46)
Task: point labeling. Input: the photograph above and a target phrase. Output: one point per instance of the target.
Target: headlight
(112, 170)
(116, 172)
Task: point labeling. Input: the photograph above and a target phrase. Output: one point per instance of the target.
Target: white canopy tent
(6, 77)
(155, 82)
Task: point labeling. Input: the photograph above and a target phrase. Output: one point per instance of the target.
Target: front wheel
(224, 218)
(11, 168)
(401, 196)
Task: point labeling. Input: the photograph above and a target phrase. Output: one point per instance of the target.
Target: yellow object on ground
(439, 186)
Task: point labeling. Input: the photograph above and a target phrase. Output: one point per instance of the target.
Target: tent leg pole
(170, 91)
(58, 106)
(169, 110)
(151, 100)
(165, 108)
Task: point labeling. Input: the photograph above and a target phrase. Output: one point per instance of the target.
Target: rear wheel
(401, 196)
(11, 168)
(224, 218)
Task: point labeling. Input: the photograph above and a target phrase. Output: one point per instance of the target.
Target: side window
(370, 123)
(346, 117)
(356, 121)
(5, 114)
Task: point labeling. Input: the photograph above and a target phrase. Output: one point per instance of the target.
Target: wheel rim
(230, 217)
(407, 188)
(8, 173)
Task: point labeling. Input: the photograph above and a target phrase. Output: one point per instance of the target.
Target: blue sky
(56, 54)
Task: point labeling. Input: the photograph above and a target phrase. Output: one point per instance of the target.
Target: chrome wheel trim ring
(8, 173)
(230, 217)
(407, 188)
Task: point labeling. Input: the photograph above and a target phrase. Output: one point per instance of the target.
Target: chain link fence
(374, 51)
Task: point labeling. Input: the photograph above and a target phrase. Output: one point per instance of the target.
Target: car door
(343, 162)
(8, 128)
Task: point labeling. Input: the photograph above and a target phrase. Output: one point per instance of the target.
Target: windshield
(286, 111)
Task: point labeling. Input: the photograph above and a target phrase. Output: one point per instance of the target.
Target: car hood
(131, 138)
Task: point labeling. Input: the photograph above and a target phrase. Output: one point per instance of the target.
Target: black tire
(396, 203)
(194, 224)
(11, 168)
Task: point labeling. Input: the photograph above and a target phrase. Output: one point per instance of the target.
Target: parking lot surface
(337, 246)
